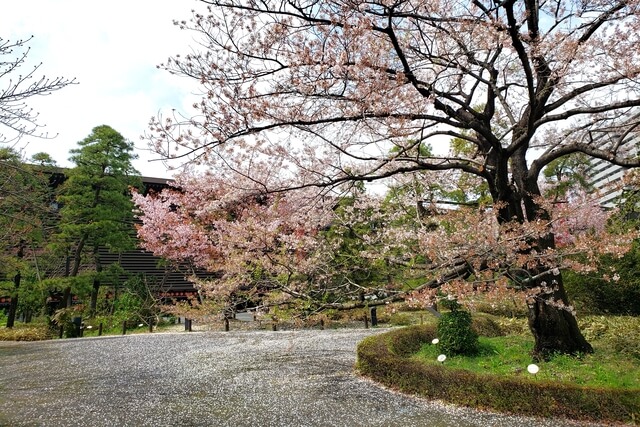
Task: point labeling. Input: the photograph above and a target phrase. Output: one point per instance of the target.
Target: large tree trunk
(553, 325)
(551, 321)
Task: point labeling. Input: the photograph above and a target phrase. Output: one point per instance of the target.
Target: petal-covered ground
(242, 378)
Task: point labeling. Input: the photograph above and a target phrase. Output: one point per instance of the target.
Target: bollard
(61, 332)
(100, 329)
(366, 321)
(274, 326)
(226, 324)
(150, 326)
(322, 324)
(374, 317)
(124, 327)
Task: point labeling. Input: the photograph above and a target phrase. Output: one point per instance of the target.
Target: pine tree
(96, 204)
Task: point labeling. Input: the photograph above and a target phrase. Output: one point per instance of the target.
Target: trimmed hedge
(385, 358)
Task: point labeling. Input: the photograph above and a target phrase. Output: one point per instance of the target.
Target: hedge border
(385, 358)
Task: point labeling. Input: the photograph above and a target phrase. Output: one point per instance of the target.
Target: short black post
(76, 324)
(366, 321)
(274, 326)
(124, 327)
(374, 317)
(226, 324)
(150, 325)
(186, 324)
(61, 332)
(81, 330)
(100, 329)
(322, 324)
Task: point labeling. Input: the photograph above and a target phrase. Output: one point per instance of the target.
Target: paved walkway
(255, 378)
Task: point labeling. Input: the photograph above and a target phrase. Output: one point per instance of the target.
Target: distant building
(167, 280)
(607, 178)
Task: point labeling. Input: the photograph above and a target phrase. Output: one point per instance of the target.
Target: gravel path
(256, 378)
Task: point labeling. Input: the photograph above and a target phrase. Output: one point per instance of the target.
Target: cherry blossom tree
(339, 92)
(264, 247)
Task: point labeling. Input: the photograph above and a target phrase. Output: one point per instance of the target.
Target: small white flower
(435, 341)
(442, 358)
(89, 327)
(140, 325)
(533, 368)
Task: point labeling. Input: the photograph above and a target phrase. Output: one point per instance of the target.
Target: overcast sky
(112, 49)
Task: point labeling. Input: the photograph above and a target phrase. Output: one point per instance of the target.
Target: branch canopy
(17, 119)
(341, 91)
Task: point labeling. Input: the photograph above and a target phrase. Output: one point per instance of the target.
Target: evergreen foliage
(455, 332)
(96, 203)
(24, 210)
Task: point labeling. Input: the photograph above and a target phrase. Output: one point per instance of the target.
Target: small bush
(456, 334)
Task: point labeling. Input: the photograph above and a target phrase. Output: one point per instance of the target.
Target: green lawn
(509, 356)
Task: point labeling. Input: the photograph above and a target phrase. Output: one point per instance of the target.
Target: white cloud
(112, 49)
